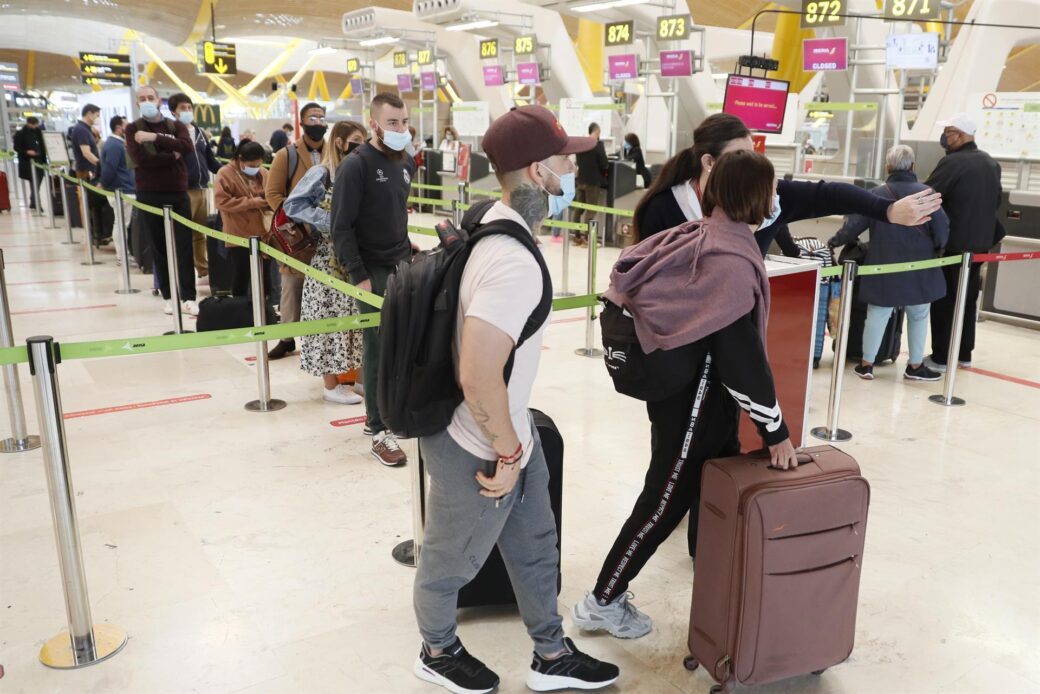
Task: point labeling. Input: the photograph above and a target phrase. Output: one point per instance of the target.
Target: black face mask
(351, 146)
(944, 143)
(315, 132)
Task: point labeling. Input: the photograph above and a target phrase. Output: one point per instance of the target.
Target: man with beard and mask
(288, 167)
(370, 236)
(969, 180)
(468, 512)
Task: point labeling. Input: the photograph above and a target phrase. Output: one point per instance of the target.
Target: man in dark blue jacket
(116, 175)
(200, 165)
(895, 243)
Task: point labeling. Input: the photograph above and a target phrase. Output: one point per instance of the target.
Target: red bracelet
(513, 459)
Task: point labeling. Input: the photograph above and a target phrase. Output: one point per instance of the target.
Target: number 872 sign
(823, 13)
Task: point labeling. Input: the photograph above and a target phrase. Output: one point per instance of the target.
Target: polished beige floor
(251, 552)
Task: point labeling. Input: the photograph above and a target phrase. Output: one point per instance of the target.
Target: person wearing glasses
(288, 167)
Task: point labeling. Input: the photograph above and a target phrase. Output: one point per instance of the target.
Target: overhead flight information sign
(823, 13)
(105, 69)
(673, 28)
(214, 58)
(619, 34)
(9, 77)
(759, 102)
(489, 49)
(825, 54)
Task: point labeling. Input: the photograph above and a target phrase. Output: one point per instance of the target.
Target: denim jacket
(310, 201)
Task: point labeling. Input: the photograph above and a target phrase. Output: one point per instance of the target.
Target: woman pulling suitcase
(716, 266)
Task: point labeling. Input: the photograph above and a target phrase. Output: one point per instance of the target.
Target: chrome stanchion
(456, 214)
(171, 268)
(407, 553)
(263, 374)
(565, 274)
(36, 188)
(50, 202)
(85, 211)
(463, 195)
(66, 211)
(952, 354)
(85, 643)
(20, 440)
(124, 239)
(589, 350)
(831, 432)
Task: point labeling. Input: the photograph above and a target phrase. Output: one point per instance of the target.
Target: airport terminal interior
(185, 506)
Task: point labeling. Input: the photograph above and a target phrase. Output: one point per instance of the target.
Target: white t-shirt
(502, 286)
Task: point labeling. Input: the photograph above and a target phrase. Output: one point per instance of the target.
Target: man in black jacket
(969, 180)
(370, 236)
(593, 167)
(28, 143)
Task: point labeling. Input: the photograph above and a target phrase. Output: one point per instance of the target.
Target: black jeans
(942, 314)
(153, 226)
(379, 274)
(672, 485)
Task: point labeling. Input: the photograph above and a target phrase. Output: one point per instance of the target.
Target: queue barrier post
(946, 398)
(589, 350)
(124, 239)
(407, 553)
(456, 214)
(85, 208)
(463, 194)
(264, 403)
(85, 643)
(20, 440)
(36, 188)
(565, 274)
(831, 432)
(50, 202)
(65, 209)
(171, 269)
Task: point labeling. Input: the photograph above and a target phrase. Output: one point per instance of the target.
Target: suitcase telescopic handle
(802, 458)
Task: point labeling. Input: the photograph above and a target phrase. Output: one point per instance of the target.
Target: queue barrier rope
(431, 186)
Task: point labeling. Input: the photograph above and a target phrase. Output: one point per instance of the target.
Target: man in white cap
(969, 180)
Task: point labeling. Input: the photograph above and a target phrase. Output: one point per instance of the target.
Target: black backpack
(418, 392)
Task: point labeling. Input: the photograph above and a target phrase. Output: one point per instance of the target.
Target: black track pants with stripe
(672, 486)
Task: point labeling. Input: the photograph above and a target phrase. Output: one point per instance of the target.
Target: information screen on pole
(676, 63)
(912, 51)
(623, 67)
(9, 77)
(57, 150)
(528, 73)
(404, 83)
(494, 76)
(757, 101)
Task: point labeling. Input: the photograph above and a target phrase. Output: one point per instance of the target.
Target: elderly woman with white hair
(894, 243)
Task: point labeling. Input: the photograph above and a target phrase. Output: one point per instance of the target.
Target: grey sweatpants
(461, 528)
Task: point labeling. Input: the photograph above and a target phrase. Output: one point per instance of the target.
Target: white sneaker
(343, 395)
(619, 618)
(168, 308)
(190, 307)
(359, 388)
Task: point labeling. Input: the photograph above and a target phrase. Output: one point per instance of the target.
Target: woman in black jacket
(674, 198)
(28, 144)
(634, 153)
(226, 147)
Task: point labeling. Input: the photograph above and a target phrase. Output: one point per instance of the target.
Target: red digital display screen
(757, 101)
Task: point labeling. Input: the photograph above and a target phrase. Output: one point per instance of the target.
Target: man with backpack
(287, 168)
(158, 147)
(489, 483)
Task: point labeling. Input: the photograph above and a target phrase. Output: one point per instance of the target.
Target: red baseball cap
(529, 134)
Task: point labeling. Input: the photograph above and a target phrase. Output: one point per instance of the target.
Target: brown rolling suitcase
(779, 552)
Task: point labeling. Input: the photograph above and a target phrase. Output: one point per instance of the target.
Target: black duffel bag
(226, 312)
(650, 377)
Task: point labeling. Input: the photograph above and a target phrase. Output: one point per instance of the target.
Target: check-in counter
(436, 162)
(1011, 291)
(794, 285)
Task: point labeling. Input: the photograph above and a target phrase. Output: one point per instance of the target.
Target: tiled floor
(251, 552)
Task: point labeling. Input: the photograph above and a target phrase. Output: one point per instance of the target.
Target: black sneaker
(921, 373)
(455, 670)
(282, 349)
(576, 670)
(816, 363)
(369, 431)
(865, 372)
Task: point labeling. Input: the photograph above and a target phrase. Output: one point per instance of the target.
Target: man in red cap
(490, 447)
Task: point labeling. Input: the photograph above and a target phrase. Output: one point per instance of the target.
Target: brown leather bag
(779, 555)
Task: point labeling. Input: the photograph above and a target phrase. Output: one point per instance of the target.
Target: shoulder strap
(293, 160)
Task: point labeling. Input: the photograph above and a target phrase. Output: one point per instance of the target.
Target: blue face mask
(568, 185)
(149, 109)
(395, 140)
(771, 219)
(627, 147)
(250, 170)
(186, 117)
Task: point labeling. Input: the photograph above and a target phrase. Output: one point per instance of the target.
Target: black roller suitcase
(227, 312)
(892, 340)
(491, 585)
(220, 270)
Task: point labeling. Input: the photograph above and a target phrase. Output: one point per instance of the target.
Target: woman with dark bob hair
(702, 288)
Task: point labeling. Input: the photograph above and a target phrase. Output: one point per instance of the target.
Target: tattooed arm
(482, 359)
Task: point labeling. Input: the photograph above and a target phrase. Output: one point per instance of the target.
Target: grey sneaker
(619, 618)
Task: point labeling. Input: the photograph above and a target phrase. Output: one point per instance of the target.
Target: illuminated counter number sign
(618, 34)
(424, 56)
(911, 9)
(489, 49)
(675, 28)
(401, 59)
(353, 66)
(523, 45)
(823, 13)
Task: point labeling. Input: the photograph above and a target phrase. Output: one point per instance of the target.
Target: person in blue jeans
(895, 243)
(813, 249)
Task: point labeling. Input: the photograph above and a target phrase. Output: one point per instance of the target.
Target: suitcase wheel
(716, 689)
(690, 663)
(819, 672)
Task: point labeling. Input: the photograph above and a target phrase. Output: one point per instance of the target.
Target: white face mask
(395, 140)
(186, 117)
(775, 214)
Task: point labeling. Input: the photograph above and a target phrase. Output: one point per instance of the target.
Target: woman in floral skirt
(310, 204)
